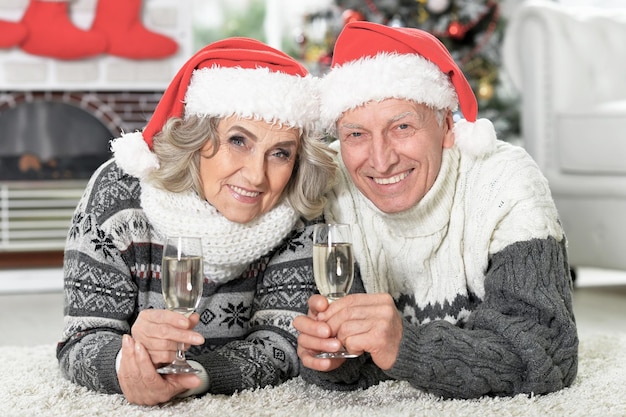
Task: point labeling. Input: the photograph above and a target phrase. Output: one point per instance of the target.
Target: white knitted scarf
(228, 247)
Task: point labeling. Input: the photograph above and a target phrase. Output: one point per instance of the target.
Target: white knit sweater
(478, 272)
(440, 248)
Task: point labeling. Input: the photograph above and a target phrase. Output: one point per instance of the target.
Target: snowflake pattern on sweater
(112, 272)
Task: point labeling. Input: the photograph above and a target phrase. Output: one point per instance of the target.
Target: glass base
(173, 368)
(336, 355)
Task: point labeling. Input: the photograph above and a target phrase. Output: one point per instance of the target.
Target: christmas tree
(471, 29)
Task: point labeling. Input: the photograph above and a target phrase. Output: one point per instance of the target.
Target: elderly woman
(229, 155)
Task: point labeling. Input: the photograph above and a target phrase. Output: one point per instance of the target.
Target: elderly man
(458, 242)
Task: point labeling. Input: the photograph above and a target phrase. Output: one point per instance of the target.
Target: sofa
(568, 64)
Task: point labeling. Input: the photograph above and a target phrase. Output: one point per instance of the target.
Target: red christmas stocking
(11, 34)
(52, 34)
(119, 20)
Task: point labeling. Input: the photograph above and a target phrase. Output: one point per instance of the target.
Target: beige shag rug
(31, 385)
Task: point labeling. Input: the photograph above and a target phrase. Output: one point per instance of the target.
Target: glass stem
(180, 353)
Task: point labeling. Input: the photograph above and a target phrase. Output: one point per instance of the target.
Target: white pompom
(476, 139)
(132, 154)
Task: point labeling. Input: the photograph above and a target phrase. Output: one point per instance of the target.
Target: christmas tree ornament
(119, 21)
(437, 6)
(456, 30)
(314, 53)
(396, 21)
(11, 33)
(485, 90)
(349, 16)
(52, 34)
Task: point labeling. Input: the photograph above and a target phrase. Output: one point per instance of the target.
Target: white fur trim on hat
(253, 93)
(403, 76)
(132, 154)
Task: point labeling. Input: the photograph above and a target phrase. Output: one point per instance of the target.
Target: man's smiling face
(392, 150)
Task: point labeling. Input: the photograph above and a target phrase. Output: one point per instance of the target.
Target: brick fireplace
(56, 120)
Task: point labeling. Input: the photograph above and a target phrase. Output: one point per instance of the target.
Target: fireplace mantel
(121, 93)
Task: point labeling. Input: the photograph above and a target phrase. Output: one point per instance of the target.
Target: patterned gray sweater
(111, 272)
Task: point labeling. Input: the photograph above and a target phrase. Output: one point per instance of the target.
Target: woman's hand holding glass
(182, 280)
(159, 331)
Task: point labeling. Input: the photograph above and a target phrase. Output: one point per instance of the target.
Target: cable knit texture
(112, 270)
(479, 272)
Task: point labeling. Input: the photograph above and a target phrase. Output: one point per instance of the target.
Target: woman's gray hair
(179, 144)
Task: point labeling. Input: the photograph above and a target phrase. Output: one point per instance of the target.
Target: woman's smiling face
(247, 176)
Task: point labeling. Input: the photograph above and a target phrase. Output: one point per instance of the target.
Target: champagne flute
(182, 279)
(333, 267)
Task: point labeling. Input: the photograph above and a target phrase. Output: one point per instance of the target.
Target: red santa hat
(376, 62)
(234, 76)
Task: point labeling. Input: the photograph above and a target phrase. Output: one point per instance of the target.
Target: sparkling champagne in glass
(333, 267)
(182, 280)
